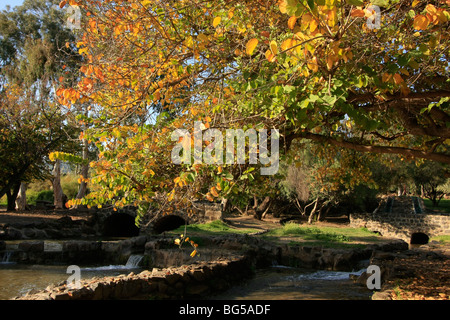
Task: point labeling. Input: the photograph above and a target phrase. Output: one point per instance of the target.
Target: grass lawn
(443, 206)
(293, 233)
(441, 239)
(216, 227)
(333, 237)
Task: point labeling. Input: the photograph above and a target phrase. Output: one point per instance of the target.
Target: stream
(18, 279)
(285, 283)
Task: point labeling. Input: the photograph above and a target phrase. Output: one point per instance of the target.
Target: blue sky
(12, 3)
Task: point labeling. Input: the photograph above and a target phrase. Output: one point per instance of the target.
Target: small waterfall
(7, 257)
(134, 260)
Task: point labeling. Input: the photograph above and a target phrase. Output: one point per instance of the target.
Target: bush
(45, 195)
(70, 185)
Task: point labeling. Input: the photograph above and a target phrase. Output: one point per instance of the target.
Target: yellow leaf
(430, 9)
(171, 195)
(415, 3)
(177, 241)
(291, 22)
(313, 64)
(83, 50)
(286, 44)
(282, 5)
(420, 22)
(273, 47)
(330, 62)
(332, 17)
(251, 45)
(193, 253)
(202, 37)
(216, 21)
(208, 196)
(313, 25)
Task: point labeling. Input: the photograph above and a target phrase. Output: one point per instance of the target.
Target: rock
(32, 246)
(197, 289)
(13, 234)
(65, 221)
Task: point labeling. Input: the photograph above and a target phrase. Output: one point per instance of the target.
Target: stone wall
(184, 282)
(402, 225)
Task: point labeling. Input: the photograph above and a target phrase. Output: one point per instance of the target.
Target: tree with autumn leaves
(313, 69)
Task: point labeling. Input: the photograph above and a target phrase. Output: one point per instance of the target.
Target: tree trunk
(313, 211)
(13, 196)
(261, 209)
(57, 189)
(21, 201)
(84, 172)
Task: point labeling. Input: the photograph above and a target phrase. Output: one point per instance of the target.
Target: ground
(422, 276)
(22, 217)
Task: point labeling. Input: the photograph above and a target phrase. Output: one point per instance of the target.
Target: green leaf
(304, 104)
(355, 2)
(331, 100)
(380, 3)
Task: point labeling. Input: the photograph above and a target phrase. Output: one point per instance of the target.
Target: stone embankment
(222, 261)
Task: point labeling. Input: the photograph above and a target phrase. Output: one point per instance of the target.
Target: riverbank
(421, 273)
(260, 245)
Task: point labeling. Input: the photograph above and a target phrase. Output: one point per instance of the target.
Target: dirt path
(25, 217)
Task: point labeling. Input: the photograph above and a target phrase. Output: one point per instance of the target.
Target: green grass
(217, 227)
(315, 236)
(443, 206)
(442, 239)
(324, 236)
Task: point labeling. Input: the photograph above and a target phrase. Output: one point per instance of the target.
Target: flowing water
(17, 279)
(284, 283)
(276, 283)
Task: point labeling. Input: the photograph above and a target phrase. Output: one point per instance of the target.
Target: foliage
(32, 63)
(312, 69)
(430, 176)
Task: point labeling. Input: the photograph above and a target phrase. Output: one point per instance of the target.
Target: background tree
(34, 60)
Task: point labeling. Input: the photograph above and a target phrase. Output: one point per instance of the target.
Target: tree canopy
(371, 77)
(33, 62)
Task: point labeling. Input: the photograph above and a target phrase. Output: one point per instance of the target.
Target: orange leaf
(214, 192)
(269, 55)
(62, 4)
(357, 13)
(398, 78)
(251, 45)
(420, 22)
(291, 22)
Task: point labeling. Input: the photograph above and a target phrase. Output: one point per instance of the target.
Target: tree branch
(440, 157)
